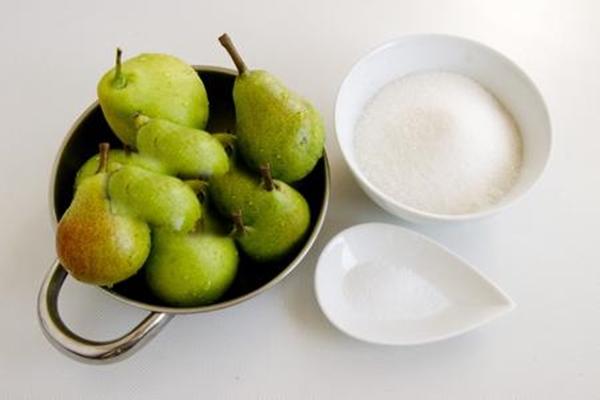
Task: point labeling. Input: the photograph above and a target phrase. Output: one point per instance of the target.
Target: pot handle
(81, 349)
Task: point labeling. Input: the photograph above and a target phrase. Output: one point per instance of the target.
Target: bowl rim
(421, 215)
(310, 240)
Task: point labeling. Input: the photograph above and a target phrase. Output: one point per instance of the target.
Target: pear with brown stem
(275, 126)
(270, 217)
(94, 244)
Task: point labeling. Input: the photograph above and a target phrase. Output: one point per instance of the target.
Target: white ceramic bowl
(385, 284)
(453, 54)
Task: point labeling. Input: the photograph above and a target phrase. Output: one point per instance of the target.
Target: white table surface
(543, 251)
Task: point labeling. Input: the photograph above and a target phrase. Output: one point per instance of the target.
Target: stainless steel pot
(81, 143)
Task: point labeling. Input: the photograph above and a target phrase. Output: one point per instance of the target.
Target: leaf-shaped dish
(385, 284)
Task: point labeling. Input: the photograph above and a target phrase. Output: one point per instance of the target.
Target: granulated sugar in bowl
(438, 128)
(438, 142)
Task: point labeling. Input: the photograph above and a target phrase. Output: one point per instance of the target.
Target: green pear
(160, 200)
(94, 244)
(192, 269)
(156, 85)
(273, 124)
(270, 217)
(116, 160)
(187, 152)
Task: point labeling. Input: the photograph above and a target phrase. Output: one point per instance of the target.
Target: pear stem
(199, 186)
(227, 140)
(127, 149)
(267, 178)
(139, 120)
(238, 223)
(226, 42)
(119, 80)
(103, 166)
(199, 227)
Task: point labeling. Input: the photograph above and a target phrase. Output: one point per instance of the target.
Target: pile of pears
(177, 203)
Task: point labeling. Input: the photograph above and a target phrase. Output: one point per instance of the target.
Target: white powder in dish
(438, 142)
(385, 291)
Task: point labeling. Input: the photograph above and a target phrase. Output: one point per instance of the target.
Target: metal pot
(81, 143)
